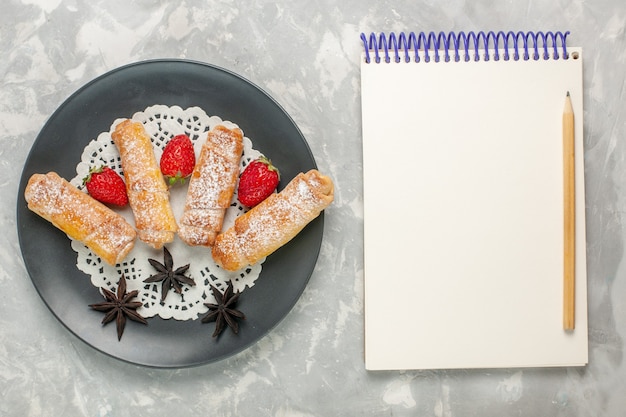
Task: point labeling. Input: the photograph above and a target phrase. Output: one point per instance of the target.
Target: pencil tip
(568, 94)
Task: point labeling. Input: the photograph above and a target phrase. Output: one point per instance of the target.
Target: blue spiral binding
(407, 46)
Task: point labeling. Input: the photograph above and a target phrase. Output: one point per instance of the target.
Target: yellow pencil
(569, 216)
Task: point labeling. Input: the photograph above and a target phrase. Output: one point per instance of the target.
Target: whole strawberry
(178, 159)
(106, 186)
(257, 182)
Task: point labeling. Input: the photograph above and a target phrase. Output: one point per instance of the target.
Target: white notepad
(463, 205)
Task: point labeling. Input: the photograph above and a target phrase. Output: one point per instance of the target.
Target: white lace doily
(163, 122)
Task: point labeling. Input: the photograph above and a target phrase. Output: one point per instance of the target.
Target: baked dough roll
(211, 186)
(80, 216)
(274, 222)
(148, 194)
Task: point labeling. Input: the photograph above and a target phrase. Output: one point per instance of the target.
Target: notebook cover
(463, 191)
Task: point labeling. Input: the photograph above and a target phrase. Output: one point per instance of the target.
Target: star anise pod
(118, 306)
(224, 312)
(171, 278)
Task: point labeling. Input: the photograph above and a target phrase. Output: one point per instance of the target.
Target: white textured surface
(305, 54)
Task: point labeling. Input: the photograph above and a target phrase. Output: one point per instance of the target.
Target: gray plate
(51, 262)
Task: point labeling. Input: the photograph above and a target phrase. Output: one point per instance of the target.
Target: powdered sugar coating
(80, 216)
(274, 222)
(211, 186)
(148, 194)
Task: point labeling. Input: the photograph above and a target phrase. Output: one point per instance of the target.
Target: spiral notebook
(464, 200)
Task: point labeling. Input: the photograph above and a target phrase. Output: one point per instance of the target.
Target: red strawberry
(178, 159)
(106, 186)
(257, 182)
